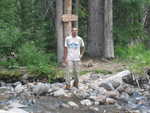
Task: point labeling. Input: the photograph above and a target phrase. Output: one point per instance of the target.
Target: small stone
(112, 94)
(94, 108)
(73, 104)
(107, 86)
(65, 105)
(86, 102)
(110, 101)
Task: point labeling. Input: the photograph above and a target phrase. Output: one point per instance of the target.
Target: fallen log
(117, 77)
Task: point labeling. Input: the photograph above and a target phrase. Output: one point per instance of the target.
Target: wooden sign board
(69, 18)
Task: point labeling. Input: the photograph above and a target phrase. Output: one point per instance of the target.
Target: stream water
(19, 98)
(10, 100)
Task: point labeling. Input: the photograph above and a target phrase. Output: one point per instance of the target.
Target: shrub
(137, 55)
(37, 60)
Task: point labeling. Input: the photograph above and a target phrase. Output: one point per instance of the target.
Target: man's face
(74, 33)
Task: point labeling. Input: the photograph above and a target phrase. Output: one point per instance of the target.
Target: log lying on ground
(117, 77)
(109, 83)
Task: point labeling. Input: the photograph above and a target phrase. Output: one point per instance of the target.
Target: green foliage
(37, 60)
(137, 56)
(83, 19)
(128, 25)
(9, 35)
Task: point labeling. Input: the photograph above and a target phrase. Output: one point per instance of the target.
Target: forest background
(28, 34)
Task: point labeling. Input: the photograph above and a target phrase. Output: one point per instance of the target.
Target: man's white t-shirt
(73, 45)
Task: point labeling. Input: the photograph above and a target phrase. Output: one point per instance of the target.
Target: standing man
(73, 52)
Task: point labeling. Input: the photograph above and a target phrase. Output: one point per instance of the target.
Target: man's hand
(65, 61)
(81, 56)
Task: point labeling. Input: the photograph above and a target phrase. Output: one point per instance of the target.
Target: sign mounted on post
(69, 18)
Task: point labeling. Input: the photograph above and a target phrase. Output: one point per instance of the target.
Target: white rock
(60, 92)
(19, 88)
(73, 104)
(86, 102)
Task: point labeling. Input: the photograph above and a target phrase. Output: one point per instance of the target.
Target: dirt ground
(112, 66)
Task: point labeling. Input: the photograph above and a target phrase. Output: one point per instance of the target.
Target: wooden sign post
(64, 19)
(68, 17)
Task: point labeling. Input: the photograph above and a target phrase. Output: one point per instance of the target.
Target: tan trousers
(72, 71)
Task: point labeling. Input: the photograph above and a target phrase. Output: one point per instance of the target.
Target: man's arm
(65, 53)
(82, 51)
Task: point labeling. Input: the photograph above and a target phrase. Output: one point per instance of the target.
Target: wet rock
(40, 88)
(73, 104)
(107, 86)
(60, 92)
(110, 101)
(86, 102)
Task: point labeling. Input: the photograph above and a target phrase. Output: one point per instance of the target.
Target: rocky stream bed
(98, 93)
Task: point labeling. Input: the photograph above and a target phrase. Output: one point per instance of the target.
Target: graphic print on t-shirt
(73, 45)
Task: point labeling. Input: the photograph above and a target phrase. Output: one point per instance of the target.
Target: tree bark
(59, 30)
(96, 28)
(76, 9)
(108, 23)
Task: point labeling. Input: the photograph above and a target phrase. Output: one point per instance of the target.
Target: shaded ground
(102, 65)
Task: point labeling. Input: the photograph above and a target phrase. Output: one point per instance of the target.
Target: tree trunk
(96, 28)
(76, 10)
(108, 22)
(59, 30)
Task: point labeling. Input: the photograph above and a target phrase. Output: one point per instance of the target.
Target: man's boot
(76, 84)
(68, 86)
